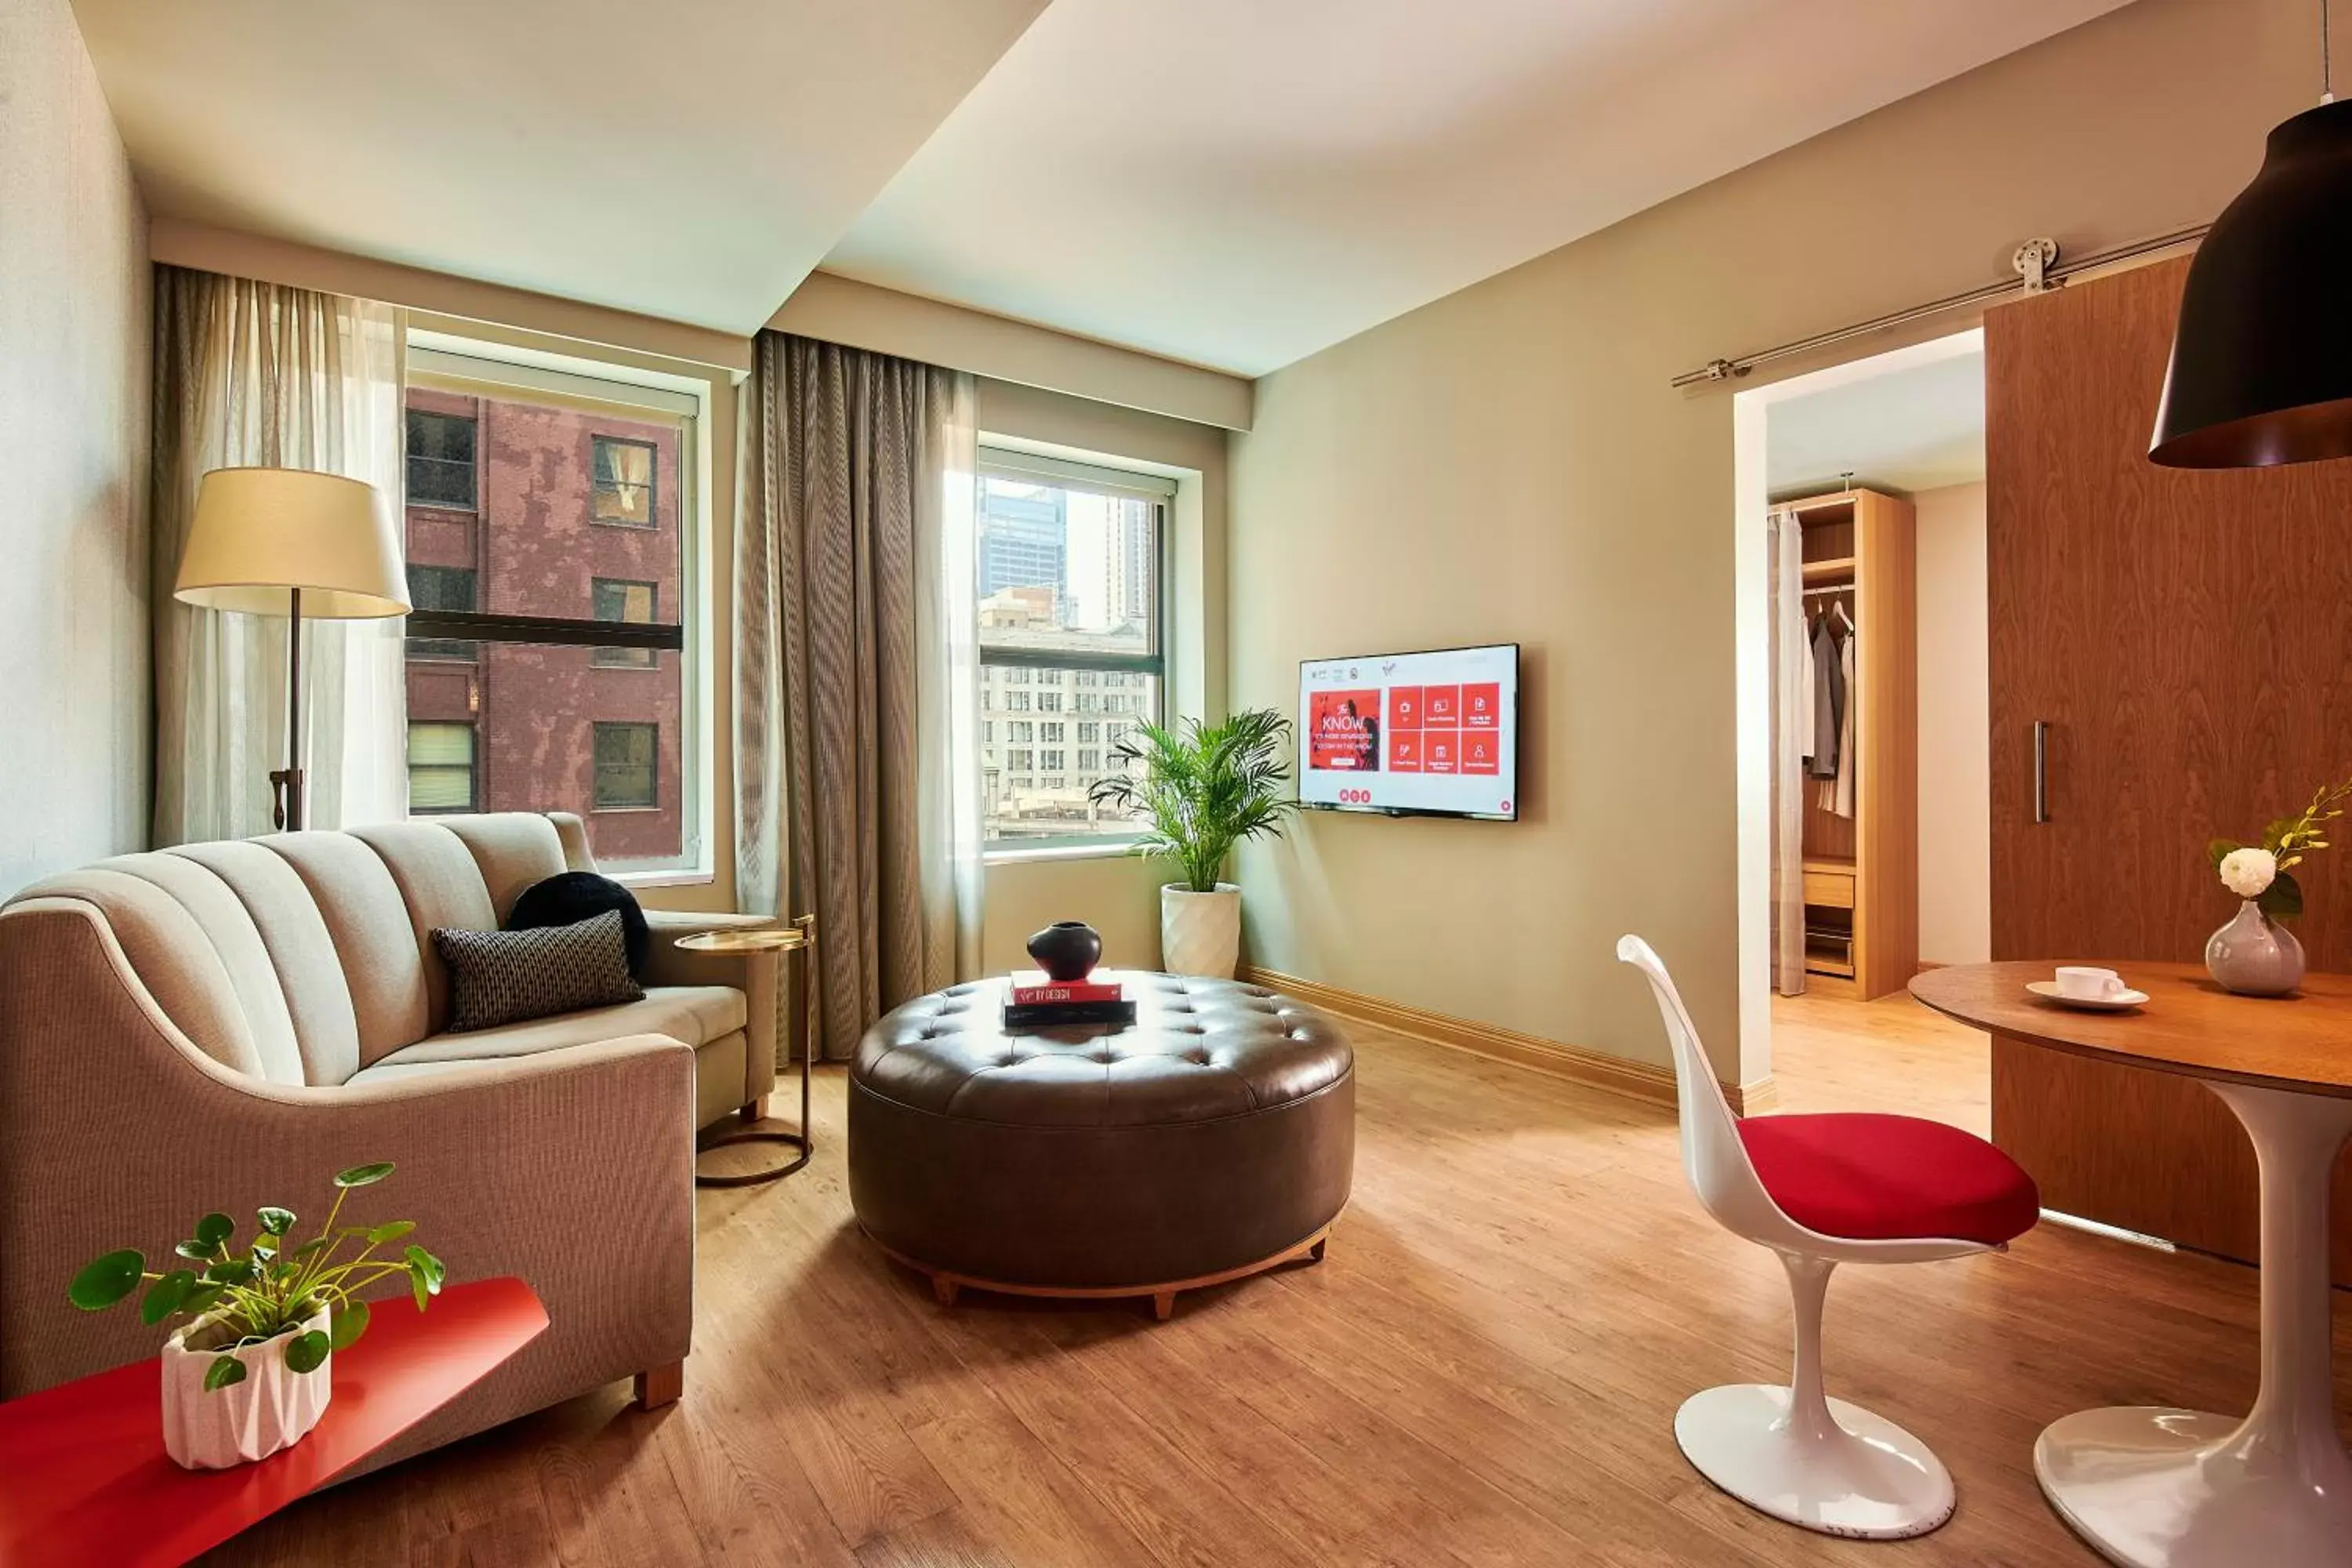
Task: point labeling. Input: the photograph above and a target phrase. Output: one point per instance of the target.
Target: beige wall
(1116, 895)
(1510, 463)
(74, 309)
(1119, 896)
(1955, 735)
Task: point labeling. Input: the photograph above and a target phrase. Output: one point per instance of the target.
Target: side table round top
(2302, 1044)
(767, 939)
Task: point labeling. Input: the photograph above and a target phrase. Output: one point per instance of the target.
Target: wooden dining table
(2154, 1486)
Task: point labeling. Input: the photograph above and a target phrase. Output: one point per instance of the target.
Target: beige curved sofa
(223, 1025)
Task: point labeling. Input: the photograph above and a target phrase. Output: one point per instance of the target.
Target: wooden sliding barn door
(2186, 641)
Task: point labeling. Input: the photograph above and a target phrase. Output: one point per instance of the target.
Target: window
(441, 588)
(565, 651)
(440, 767)
(1020, 730)
(1068, 567)
(440, 459)
(626, 779)
(618, 599)
(625, 482)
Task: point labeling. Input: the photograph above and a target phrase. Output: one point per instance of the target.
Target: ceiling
(1238, 183)
(1914, 429)
(687, 161)
(1229, 183)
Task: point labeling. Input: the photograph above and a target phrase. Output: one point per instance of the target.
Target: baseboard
(1594, 1069)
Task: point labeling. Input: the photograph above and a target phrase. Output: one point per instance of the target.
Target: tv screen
(1433, 735)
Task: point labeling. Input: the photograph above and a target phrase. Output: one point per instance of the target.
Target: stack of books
(1036, 1002)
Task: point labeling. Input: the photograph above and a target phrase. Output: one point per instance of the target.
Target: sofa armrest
(763, 978)
(572, 1169)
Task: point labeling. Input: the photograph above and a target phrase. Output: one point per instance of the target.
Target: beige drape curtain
(255, 374)
(856, 675)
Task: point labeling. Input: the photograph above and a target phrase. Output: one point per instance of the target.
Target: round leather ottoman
(1215, 1137)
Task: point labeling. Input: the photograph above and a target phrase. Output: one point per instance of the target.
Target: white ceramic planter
(1201, 933)
(271, 1409)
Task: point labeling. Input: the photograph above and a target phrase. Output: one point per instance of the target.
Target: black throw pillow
(511, 976)
(570, 897)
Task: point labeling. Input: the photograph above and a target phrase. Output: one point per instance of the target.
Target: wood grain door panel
(2187, 639)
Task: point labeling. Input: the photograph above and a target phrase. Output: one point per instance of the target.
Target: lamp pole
(286, 783)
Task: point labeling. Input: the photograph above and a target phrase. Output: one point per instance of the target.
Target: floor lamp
(293, 543)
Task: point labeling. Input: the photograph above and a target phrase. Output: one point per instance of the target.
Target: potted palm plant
(1200, 789)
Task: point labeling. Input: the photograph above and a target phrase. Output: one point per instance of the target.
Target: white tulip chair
(1821, 1190)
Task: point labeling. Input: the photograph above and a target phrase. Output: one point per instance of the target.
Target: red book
(1034, 990)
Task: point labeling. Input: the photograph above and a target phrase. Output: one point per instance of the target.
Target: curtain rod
(2038, 269)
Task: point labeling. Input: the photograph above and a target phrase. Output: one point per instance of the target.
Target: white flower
(2248, 872)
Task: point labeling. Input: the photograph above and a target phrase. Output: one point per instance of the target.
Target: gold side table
(764, 948)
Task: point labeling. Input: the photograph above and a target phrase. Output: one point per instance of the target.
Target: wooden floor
(1483, 1371)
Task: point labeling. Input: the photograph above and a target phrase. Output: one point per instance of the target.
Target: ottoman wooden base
(946, 1286)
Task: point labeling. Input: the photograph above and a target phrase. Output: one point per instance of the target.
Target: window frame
(473, 503)
(602, 656)
(596, 485)
(473, 729)
(1160, 493)
(596, 728)
(444, 349)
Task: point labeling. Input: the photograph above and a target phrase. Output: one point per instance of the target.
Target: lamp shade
(260, 532)
(2262, 358)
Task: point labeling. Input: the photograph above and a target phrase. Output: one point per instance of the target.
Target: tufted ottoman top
(1198, 1049)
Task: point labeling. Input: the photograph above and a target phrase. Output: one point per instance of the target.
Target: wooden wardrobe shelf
(1863, 866)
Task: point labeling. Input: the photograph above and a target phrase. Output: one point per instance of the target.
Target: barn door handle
(2041, 769)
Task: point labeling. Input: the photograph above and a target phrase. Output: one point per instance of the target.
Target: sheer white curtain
(948, 683)
(1785, 577)
(255, 373)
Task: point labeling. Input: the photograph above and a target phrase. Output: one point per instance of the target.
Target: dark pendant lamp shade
(2261, 360)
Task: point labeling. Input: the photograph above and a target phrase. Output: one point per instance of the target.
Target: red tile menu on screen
(1440, 707)
(1405, 707)
(1481, 752)
(1482, 705)
(1442, 751)
(1404, 751)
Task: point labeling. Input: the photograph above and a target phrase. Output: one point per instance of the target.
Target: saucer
(2122, 1001)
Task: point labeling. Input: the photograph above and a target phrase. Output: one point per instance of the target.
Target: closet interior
(1857, 723)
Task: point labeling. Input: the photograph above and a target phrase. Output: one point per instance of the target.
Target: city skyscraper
(1022, 537)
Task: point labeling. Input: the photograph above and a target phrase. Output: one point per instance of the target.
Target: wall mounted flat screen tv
(1413, 734)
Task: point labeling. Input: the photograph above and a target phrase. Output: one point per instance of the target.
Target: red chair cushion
(1888, 1178)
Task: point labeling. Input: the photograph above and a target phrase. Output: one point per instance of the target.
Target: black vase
(1067, 951)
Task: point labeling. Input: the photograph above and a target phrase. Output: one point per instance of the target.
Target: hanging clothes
(1844, 803)
(1806, 681)
(1829, 701)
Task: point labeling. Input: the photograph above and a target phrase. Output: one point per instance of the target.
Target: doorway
(1864, 774)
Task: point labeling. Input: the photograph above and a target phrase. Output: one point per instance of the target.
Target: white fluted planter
(274, 1407)
(1201, 933)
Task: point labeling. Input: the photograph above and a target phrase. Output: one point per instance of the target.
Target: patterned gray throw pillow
(508, 977)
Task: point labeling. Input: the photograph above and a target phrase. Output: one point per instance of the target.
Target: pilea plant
(273, 1287)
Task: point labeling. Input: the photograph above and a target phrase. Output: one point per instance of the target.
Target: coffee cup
(2081, 983)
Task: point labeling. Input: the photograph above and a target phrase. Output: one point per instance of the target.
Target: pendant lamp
(2261, 357)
